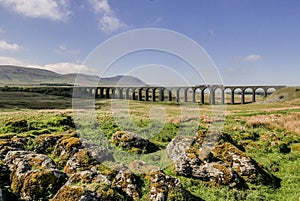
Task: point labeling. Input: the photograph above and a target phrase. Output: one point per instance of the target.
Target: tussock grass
(290, 122)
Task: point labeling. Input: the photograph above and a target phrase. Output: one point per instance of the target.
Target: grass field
(265, 130)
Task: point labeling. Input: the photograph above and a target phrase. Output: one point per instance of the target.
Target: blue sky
(251, 42)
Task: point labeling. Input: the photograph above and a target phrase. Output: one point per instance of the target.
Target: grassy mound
(284, 94)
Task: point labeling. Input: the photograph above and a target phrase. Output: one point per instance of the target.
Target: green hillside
(284, 94)
(23, 76)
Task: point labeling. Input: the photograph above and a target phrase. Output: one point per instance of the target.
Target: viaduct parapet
(212, 94)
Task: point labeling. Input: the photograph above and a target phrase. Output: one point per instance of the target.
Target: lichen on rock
(65, 148)
(214, 157)
(33, 176)
(132, 143)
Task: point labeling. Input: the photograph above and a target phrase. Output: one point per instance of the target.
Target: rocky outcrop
(65, 148)
(13, 144)
(33, 176)
(93, 185)
(126, 182)
(133, 143)
(213, 158)
(195, 162)
(46, 142)
(80, 170)
(164, 187)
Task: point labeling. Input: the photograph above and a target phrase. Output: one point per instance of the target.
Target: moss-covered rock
(74, 193)
(164, 187)
(33, 176)
(80, 161)
(47, 142)
(133, 143)
(65, 148)
(88, 157)
(213, 157)
(244, 165)
(12, 144)
(41, 184)
(126, 182)
(93, 185)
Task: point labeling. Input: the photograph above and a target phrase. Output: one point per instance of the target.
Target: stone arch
(218, 96)
(228, 95)
(249, 95)
(260, 93)
(205, 95)
(197, 94)
(238, 94)
(187, 94)
(180, 94)
(270, 90)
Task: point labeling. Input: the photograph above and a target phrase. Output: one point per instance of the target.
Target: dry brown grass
(289, 122)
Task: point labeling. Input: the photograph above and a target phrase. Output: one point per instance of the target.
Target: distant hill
(24, 76)
(284, 94)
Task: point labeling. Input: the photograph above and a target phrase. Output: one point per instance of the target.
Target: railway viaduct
(196, 93)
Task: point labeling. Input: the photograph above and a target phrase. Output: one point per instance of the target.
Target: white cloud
(65, 68)
(252, 58)
(63, 50)
(50, 9)
(62, 68)
(5, 46)
(12, 61)
(108, 21)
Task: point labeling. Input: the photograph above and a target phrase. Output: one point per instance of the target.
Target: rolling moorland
(21, 76)
(46, 155)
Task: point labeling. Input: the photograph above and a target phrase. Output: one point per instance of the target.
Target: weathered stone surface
(244, 165)
(126, 182)
(88, 176)
(164, 187)
(33, 176)
(160, 185)
(65, 148)
(192, 158)
(215, 158)
(97, 152)
(133, 143)
(13, 144)
(80, 161)
(41, 184)
(88, 157)
(47, 142)
(22, 161)
(75, 193)
(93, 185)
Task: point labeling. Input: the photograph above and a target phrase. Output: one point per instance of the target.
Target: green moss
(69, 193)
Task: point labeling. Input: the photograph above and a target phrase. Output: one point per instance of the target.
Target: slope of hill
(284, 94)
(23, 76)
